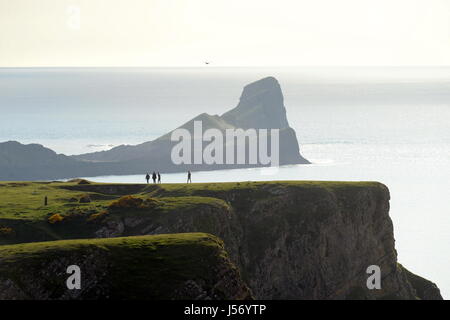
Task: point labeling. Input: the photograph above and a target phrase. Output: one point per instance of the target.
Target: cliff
(290, 240)
(261, 105)
(181, 266)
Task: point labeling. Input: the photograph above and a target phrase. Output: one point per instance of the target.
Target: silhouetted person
(147, 177)
(159, 177)
(154, 177)
(189, 180)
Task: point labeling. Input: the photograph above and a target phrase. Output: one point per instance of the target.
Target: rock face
(182, 266)
(425, 289)
(291, 240)
(261, 106)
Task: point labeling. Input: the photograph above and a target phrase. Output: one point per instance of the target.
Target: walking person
(159, 177)
(147, 177)
(154, 177)
(189, 180)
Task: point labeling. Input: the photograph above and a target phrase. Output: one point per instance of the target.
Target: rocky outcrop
(292, 240)
(261, 106)
(182, 266)
(425, 290)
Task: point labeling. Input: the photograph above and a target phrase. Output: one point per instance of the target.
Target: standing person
(189, 180)
(154, 177)
(147, 177)
(159, 177)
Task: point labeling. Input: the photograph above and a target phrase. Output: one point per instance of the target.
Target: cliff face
(261, 105)
(290, 240)
(182, 266)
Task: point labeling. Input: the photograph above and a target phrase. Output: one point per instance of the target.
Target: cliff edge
(289, 239)
(182, 266)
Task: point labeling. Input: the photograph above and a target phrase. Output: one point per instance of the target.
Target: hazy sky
(225, 32)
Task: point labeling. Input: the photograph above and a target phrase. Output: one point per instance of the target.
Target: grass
(143, 267)
(26, 200)
(254, 185)
(24, 217)
(20, 251)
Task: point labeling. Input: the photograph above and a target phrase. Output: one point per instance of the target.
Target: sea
(387, 124)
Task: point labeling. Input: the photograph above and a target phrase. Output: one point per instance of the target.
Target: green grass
(256, 189)
(171, 204)
(22, 203)
(26, 200)
(253, 185)
(19, 251)
(143, 267)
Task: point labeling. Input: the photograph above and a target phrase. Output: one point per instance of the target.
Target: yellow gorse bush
(55, 218)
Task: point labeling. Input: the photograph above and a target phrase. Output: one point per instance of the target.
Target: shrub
(127, 202)
(130, 202)
(55, 218)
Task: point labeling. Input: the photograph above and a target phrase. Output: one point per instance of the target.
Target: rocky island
(261, 106)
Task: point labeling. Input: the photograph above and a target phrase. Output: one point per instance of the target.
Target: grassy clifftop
(170, 266)
(25, 200)
(76, 209)
(289, 239)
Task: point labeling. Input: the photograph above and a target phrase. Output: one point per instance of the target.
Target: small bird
(206, 62)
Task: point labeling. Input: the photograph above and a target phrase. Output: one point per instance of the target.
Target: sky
(173, 33)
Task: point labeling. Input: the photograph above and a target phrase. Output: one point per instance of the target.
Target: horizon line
(223, 67)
